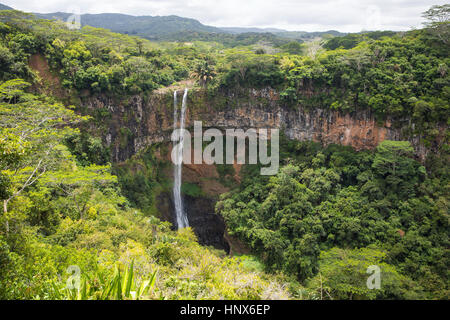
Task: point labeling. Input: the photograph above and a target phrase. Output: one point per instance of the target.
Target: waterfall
(175, 111)
(182, 220)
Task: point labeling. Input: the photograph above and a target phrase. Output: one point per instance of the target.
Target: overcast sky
(307, 15)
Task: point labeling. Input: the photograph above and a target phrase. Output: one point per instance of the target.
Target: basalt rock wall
(131, 126)
(140, 122)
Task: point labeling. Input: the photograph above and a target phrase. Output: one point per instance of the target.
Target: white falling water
(175, 110)
(182, 220)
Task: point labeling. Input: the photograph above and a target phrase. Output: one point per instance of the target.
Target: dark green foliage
(88, 149)
(141, 179)
(346, 42)
(227, 39)
(12, 64)
(293, 47)
(91, 59)
(329, 213)
(336, 197)
(191, 189)
(4, 187)
(344, 275)
(392, 75)
(398, 173)
(351, 40)
(258, 72)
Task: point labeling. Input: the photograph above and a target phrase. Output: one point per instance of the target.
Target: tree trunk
(5, 211)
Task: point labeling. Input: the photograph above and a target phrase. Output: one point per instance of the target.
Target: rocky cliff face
(142, 122)
(139, 123)
(208, 226)
(130, 126)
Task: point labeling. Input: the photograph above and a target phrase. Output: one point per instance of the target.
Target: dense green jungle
(77, 223)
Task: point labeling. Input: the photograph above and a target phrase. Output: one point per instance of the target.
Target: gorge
(149, 122)
(91, 173)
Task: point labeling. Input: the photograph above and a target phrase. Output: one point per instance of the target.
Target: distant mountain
(151, 27)
(231, 39)
(305, 36)
(294, 35)
(247, 30)
(3, 7)
(170, 28)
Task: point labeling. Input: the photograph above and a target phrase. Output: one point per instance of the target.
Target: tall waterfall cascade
(182, 220)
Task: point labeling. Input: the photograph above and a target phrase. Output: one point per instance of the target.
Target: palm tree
(204, 72)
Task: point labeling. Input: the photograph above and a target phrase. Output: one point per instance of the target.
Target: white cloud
(308, 15)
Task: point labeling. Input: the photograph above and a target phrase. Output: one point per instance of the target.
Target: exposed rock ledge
(142, 122)
(151, 120)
